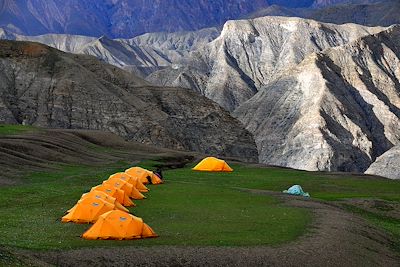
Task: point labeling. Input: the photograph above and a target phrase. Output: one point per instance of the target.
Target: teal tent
(296, 190)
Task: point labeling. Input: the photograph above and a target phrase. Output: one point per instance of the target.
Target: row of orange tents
(105, 206)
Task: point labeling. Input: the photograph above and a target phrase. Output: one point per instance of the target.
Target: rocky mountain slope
(382, 13)
(387, 165)
(42, 86)
(141, 55)
(151, 52)
(338, 110)
(119, 18)
(325, 3)
(318, 97)
(250, 53)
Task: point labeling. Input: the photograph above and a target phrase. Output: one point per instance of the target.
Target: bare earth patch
(377, 206)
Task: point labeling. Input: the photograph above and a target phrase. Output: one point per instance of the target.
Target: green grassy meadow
(324, 186)
(190, 209)
(181, 212)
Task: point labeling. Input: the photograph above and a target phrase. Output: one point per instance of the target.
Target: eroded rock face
(387, 165)
(250, 53)
(338, 110)
(45, 87)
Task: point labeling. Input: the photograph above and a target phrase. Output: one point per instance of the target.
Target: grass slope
(325, 186)
(182, 213)
(191, 209)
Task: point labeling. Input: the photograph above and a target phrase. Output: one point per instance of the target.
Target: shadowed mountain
(129, 18)
(45, 87)
(119, 18)
(370, 13)
(325, 3)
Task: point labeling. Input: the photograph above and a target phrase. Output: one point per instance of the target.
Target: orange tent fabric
(127, 187)
(115, 192)
(140, 173)
(212, 164)
(139, 185)
(102, 195)
(119, 225)
(132, 180)
(143, 175)
(155, 179)
(88, 210)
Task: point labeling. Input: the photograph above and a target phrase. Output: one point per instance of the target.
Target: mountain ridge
(140, 55)
(129, 18)
(118, 18)
(249, 53)
(370, 13)
(338, 110)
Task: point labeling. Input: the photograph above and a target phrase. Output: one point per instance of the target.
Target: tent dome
(88, 210)
(119, 225)
(115, 192)
(144, 175)
(212, 164)
(130, 190)
(134, 181)
(102, 195)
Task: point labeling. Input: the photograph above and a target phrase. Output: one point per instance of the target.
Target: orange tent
(115, 192)
(212, 164)
(101, 195)
(144, 175)
(127, 187)
(119, 225)
(132, 180)
(88, 210)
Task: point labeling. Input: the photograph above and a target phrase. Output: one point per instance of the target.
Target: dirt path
(336, 238)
